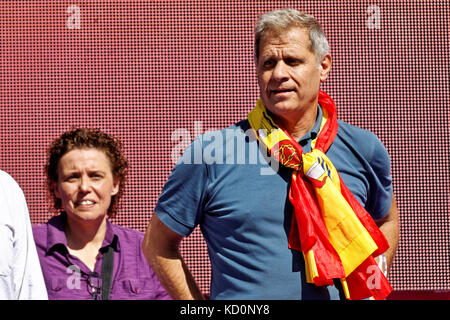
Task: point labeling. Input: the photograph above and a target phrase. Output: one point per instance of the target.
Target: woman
(83, 255)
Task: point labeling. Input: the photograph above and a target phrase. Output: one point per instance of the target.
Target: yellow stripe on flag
(347, 234)
(310, 266)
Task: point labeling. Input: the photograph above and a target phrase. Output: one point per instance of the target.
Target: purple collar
(56, 236)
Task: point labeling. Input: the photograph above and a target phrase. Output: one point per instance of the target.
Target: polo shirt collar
(306, 140)
(57, 237)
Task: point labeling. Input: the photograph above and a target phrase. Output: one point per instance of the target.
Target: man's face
(288, 73)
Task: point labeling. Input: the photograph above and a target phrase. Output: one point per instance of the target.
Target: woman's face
(85, 184)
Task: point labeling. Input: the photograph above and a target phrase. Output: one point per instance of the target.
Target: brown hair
(85, 138)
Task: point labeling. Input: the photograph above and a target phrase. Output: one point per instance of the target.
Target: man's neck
(297, 125)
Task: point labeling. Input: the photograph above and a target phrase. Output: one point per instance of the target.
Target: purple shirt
(68, 278)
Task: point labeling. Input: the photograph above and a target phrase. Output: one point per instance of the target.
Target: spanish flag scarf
(337, 236)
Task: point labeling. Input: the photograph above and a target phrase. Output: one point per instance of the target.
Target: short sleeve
(380, 182)
(180, 204)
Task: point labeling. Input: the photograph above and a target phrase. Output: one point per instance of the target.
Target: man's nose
(280, 71)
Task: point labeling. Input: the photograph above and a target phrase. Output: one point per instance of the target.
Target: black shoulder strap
(107, 270)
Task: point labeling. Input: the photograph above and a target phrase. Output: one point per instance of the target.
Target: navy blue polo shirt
(226, 183)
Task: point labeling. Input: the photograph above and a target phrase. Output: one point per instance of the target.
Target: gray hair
(285, 19)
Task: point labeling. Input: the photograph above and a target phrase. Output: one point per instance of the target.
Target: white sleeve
(20, 271)
(6, 254)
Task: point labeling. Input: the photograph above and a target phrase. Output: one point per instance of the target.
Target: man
(20, 271)
(296, 232)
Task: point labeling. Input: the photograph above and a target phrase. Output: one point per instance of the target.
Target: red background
(142, 69)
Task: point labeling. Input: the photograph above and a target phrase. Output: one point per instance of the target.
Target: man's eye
(293, 61)
(268, 63)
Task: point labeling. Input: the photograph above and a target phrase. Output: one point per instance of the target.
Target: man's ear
(325, 67)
